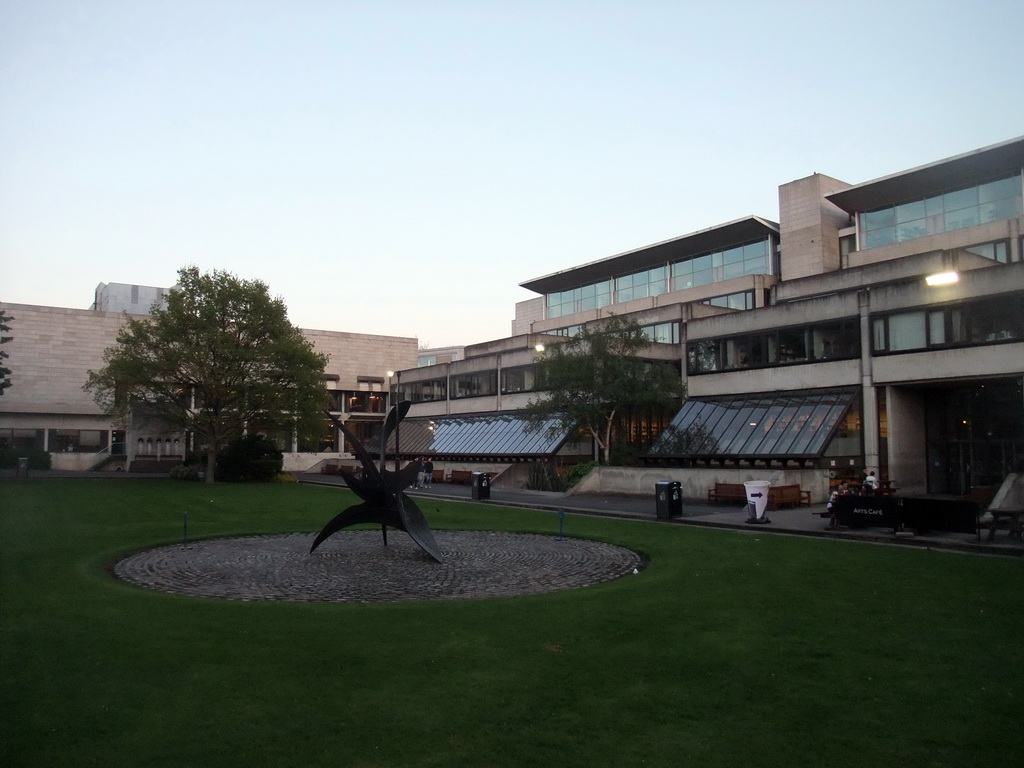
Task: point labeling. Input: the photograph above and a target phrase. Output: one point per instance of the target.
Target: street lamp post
(383, 431)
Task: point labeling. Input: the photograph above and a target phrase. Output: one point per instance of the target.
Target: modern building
(877, 325)
(813, 348)
(123, 297)
(435, 355)
(46, 408)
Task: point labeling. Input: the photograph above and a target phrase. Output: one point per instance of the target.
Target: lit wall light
(943, 278)
(539, 348)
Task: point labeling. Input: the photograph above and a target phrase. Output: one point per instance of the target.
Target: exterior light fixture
(390, 374)
(943, 278)
(539, 347)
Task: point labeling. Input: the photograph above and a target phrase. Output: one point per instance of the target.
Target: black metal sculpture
(383, 492)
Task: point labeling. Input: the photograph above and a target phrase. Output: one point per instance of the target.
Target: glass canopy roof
(487, 435)
(779, 425)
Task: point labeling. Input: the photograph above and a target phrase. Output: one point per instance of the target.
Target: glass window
(703, 277)
(874, 220)
(756, 266)
(474, 384)
(911, 230)
(75, 440)
(735, 269)
(662, 333)
(961, 219)
(732, 256)
(756, 250)
(997, 251)
(910, 211)
(878, 237)
(907, 331)
(878, 327)
(937, 327)
(737, 353)
(998, 210)
(999, 190)
(957, 209)
(962, 198)
(702, 356)
(518, 379)
(792, 345)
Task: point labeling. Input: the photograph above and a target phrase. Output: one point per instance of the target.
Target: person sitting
(841, 490)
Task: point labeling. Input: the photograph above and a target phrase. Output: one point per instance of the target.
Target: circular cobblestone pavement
(354, 566)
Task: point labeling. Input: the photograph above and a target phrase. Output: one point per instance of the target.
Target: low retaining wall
(639, 481)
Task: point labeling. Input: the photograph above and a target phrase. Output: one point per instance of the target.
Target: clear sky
(400, 167)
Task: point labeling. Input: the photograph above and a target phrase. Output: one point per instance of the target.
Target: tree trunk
(608, 439)
(211, 462)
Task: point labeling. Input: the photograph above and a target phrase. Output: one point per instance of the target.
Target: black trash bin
(481, 485)
(668, 496)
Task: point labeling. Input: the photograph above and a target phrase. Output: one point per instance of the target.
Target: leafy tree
(220, 360)
(5, 372)
(595, 376)
(249, 458)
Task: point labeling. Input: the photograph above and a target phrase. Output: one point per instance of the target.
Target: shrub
(250, 458)
(577, 472)
(184, 472)
(544, 477)
(37, 459)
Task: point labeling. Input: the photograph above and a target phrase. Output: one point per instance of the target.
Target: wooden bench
(731, 493)
(1013, 520)
(788, 496)
(460, 477)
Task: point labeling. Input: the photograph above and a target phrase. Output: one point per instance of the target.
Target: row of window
(987, 321)
(658, 333)
(997, 251)
(347, 401)
(748, 259)
(55, 440)
(743, 300)
(993, 201)
(479, 384)
(981, 322)
(836, 340)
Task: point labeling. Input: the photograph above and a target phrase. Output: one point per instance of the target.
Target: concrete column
(869, 413)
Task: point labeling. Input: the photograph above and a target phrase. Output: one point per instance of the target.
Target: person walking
(428, 474)
(419, 473)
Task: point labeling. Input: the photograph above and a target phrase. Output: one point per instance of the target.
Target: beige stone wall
(50, 353)
(351, 355)
(527, 313)
(809, 231)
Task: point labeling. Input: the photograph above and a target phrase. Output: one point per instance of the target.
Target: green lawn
(729, 649)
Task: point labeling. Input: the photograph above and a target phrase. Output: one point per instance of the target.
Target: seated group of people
(868, 487)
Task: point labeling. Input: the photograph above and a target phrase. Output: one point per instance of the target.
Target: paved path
(801, 521)
(355, 566)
